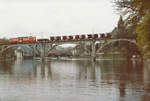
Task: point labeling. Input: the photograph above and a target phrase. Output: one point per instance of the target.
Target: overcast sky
(43, 18)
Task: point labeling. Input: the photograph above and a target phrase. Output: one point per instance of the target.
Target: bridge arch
(117, 40)
(13, 46)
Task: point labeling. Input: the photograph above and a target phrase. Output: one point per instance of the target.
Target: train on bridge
(31, 39)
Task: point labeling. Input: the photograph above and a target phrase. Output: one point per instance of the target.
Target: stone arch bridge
(90, 47)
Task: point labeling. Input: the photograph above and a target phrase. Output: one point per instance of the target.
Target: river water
(74, 80)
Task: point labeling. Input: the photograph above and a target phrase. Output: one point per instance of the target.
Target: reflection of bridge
(90, 47)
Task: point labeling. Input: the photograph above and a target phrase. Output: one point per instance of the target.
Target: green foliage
(134, 9)
(121, 26)
(137, 17)
(121, 23)
(143, 31)
(122, 31)
(4, 41)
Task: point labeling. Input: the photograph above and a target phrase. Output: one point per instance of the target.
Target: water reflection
(146, 79)
(42, 70)
(5, 67)
(80, 80)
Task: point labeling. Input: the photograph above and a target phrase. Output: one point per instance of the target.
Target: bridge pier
(43, 50)
(93, 52)
(34, 48)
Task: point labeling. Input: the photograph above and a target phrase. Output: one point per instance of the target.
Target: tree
(121, 27)
(121, 31)
(143, 32)
(137, 17)
(135, 10)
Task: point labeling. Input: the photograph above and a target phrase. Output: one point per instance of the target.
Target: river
(74, 80)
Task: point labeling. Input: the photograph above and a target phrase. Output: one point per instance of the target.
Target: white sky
(43, 18)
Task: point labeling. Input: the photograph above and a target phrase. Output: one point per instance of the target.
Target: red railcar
(31, 39)
(64, 37)
(71, 37)
(22, 40)
(102, 35)
(58, 38)
(52, 38)
(89, 36)
(95, 36)
(43, 40)
(77, 37)
(83, 36)
(13, 40)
